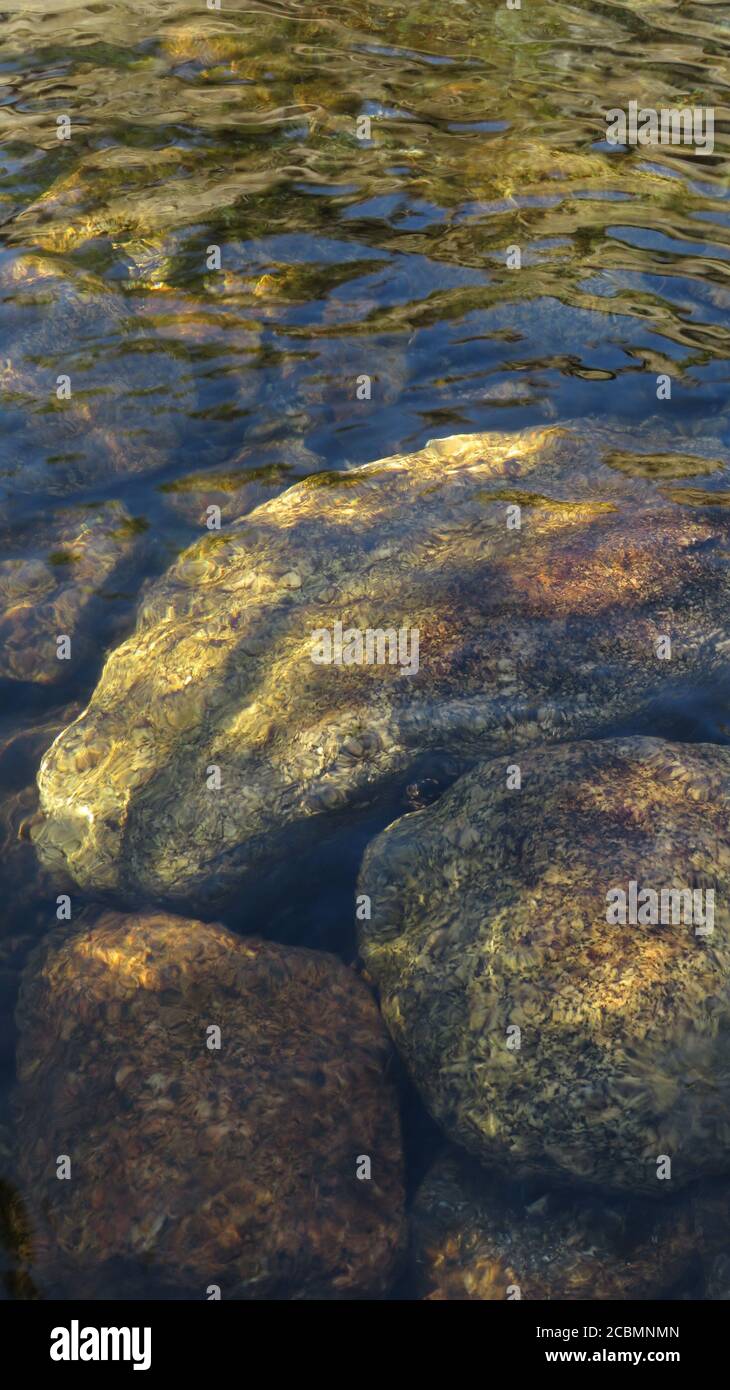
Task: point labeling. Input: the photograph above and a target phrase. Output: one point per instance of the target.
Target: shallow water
(341, 256)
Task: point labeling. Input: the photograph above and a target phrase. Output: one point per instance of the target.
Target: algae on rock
(545, 1034)
(201, 1157)
(214, 746)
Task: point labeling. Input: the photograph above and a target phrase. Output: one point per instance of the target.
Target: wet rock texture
(525, 636)
(53, 584)
(192, 1166)
(489, 914)
(475, 1238)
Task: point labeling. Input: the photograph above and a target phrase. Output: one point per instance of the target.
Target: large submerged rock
(474, 1237)
(215, 746)
(243, 1165)
(550, 1031)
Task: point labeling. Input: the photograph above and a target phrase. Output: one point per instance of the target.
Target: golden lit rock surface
(191, 1166)
(489, 915)
(476, 1238)
(525, 635)
(52, 575)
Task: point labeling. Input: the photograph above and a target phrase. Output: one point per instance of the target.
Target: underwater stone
(537, 634)
(51, 585)
(474, 1237)
(192, 1165)
(120, 409)
(544, 1038)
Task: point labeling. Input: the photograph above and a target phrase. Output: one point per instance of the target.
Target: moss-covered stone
(546, 1036)
(528, 635)
(476, 1237)
(192, 1165)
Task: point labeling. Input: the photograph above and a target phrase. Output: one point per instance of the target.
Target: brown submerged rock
(52, 586)
(191, 1166)
(474, 1237)
(489, 914)
(527, 635)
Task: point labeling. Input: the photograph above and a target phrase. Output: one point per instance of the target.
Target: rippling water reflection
(341, 256)
(383, 256)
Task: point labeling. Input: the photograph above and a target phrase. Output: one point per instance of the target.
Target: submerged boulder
(477, 1237)
(263, 1158)
(561, 1014)
(304, 663)
(88, 394)
(52, 581)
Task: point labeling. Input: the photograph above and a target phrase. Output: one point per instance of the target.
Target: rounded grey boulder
(553, 961)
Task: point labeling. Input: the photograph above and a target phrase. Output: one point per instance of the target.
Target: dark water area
(347, 251)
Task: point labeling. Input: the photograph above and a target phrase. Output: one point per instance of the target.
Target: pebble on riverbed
(547, 1040)
(241, 1166)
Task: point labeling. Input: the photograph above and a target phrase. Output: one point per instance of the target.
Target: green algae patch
(669, 465)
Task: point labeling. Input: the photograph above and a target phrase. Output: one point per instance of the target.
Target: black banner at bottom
(200, 1338)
